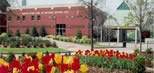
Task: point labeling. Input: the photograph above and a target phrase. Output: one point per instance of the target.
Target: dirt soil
(103, 70)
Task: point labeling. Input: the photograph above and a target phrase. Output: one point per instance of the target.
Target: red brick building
(63, 20)
(2, 23)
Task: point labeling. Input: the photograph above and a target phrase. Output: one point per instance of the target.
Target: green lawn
(5, 50)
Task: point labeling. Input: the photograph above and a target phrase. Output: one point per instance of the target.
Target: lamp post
(92, 22)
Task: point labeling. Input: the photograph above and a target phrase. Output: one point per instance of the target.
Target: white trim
(48, 6)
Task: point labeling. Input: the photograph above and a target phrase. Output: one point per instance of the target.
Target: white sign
(45, 12)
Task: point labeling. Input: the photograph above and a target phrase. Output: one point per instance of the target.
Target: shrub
(42, 31)
(3, 35)
(18, 33)
(79, 34)
(28, 45)
(27, 31)
(26, 35)
(35, 45)
(10, 33)
(48, 44)
(17, 44)
(41, 45)
(34, 32)
(139, 65)
(12, 45)
(54, 44)
(149, 50)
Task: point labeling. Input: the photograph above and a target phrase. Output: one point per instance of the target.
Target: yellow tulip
(68, 71)
(92, 53)
(39, 55)
(53, 70)
(2, 62)
(15, 70)
(65, 59)
(31, 68)
(58, 58)
(40, 66)
(29, 57)
(83, 68)
(70, 60)
(74, 51)
(138, 54)
(51, 61)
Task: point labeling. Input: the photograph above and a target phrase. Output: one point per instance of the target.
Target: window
(9, 18)
(18, 18)
(60, 29)
(38, 17)
(33, 18)
(23, 18)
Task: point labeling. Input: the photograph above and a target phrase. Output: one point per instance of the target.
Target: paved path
(73, 46)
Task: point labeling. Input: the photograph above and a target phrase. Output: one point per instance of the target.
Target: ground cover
(27, 50)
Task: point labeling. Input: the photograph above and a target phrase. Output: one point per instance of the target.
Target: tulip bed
(108, 59)
(54, 63)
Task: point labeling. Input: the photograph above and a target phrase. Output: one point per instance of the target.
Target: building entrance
(60, 29)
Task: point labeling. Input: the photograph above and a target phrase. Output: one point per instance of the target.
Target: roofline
(48, 6)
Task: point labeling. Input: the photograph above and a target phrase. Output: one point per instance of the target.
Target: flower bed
(98, 60)
(54, 63)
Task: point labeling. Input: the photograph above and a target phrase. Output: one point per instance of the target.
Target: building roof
(123, 6)
(48, 6)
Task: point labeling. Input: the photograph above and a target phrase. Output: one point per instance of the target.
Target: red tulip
(14, 64)
(48, 68)
(4, 69)
(64, 67)
(46, 59)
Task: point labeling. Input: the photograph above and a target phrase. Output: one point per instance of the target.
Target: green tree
(18, 33)
(140, 13)
(34, 32)
(42, 31)
(10, 33)
(27, 31)
(3, 5)
(79, 34)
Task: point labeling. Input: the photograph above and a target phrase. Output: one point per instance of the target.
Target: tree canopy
(3, 5)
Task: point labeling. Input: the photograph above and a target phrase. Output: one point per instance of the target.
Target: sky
(109, 6)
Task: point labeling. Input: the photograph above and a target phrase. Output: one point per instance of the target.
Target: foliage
(18, 33)
(17, 42)
(84, 39)
(149, 50)
(106, 58)
(54, 44)
(136, 51)
(3, 35)
(10, 58)
(10, 33)
(27, 31)
(79, 34)
(34, 32)
(139, 65)
(42, 31)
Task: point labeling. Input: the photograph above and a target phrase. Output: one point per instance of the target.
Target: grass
(5, 50)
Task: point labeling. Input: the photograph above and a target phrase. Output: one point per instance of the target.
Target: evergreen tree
(27, 31)
(79, 34)
(42, 31)
(34, 32)
(10, 33)
(18, 33)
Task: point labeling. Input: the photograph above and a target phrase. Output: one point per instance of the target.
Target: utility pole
(92, 22)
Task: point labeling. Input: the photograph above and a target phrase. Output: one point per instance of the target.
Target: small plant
(35, 45)
(27, 31)
(28, 45)
(79, 34)
(10, 33)
(139, 65)
(17, 44)
(136, 51)
(34, 32)
(48, 44)
(149, 50)
(42, 31)
(18, 33)
(11, 57)
(41, 45)
(12, 45)
(54, 44)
